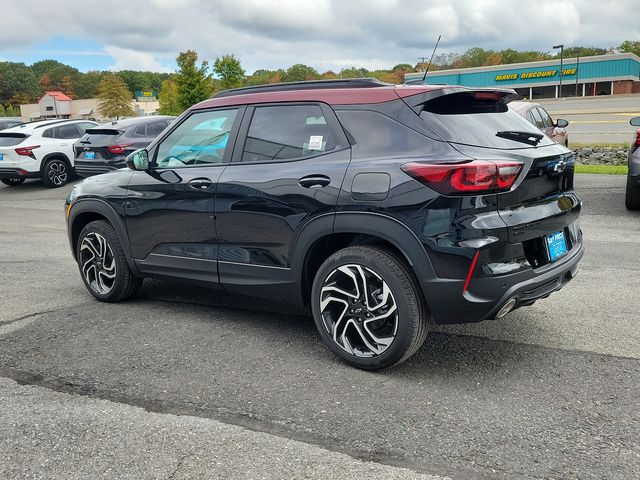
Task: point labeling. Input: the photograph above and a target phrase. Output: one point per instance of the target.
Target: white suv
(41, 149)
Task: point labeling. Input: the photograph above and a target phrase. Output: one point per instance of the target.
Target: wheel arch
(55, 155)
(86, 211)
(327, 235)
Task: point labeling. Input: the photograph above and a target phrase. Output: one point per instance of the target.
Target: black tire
(12, 182)
(123, 284)
(382, 266)
(632, 196)
(55, 173)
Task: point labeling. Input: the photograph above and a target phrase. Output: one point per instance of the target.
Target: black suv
(382, 208)
(105, 148)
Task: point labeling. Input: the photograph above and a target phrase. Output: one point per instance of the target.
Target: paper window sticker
(315, 142)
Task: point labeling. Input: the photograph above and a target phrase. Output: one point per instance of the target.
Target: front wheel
(368, 307)
(12, 182)
(103, 265)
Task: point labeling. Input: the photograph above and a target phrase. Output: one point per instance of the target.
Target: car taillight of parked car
(472, 177)
(27, 151)
(119, 148)
(637, 142)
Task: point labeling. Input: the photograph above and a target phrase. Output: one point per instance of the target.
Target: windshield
(471, 119)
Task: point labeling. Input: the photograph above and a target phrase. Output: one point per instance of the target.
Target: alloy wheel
(57, 173)
(97, 263)
(358, 310)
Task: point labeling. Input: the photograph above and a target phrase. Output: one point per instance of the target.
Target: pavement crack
(24, 317)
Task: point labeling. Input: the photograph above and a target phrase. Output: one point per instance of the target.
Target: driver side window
(201, 139)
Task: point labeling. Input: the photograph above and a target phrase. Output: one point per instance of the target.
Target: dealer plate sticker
(1, 157)
(556, 245)
(89, 155)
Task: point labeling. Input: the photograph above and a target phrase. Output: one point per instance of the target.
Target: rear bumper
(9, 172)
(90, 168)
(486, 296)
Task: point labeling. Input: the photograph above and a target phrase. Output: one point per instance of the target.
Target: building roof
(59, 96)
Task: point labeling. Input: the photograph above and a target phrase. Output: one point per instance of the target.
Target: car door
(64, 137)
(169, 208)
(287, 170)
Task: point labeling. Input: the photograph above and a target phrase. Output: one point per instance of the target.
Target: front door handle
(200, 183)
(314, 181)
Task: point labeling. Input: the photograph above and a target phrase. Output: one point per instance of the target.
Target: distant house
(54, 105)
(57, 105)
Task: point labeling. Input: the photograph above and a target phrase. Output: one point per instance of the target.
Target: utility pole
(561, 47)
(577, 72)
(423, 60)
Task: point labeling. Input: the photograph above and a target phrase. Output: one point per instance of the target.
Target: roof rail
(307, 85)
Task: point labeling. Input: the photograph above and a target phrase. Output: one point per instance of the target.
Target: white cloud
(127, 59)
(321, 33)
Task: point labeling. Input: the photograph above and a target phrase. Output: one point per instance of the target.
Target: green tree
(169, 98)
(260, 77)
(194, 83)
(582, 52)
(86, 85)
(17, 78)
(353, 73)
(229, 72)
(10, 111)
(3, 112)
(402, 67)
(115, 98)
(630, 46)
(299, 73)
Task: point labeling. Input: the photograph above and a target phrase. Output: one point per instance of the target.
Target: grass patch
(603, 169)
(618, 146)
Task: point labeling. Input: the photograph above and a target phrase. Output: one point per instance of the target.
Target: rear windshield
(99, 136)
(9, 139)
(475, 119)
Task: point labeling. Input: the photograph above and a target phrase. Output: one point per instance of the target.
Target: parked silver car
(632, 197)
(541, 119)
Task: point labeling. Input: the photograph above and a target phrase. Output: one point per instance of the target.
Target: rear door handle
(200, 183)
(314, 181)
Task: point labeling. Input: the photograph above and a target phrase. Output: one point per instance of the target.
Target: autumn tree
(66, 86)
(45, 82)
(169, 98)
(229, 72)
(300, 72)
(193, 81)
(114, 98)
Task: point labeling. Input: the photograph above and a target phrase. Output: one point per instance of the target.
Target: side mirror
(138, 160)
(635, 121)
(562, 123)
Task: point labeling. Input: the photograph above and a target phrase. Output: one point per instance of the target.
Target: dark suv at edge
(382, 208)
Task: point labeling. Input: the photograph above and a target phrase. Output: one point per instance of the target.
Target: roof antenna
(424, 78)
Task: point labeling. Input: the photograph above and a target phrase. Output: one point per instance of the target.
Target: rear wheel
(103, 265)
(12, 182)
(632, 196)
(55, 173)
(368, 308)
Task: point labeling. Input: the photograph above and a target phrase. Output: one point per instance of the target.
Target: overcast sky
(325, 34)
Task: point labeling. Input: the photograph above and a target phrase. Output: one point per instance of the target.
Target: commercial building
(587, 76)
(57, 105)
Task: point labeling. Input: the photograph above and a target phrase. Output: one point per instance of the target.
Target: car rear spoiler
(417, 101)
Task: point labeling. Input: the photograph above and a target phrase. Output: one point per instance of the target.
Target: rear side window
(11, 139)
(546, 119)
(474, 119)
(537, 119)
(140, 131)
(286, 133)
(66, 132)
(156, 128)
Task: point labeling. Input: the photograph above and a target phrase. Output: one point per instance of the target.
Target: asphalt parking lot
(190, 382)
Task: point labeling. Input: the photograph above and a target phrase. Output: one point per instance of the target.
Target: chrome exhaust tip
(507, 307)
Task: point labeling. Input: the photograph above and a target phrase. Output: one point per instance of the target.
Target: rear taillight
(118, 148)
(637, 142)
(27, 151)
(472, 177)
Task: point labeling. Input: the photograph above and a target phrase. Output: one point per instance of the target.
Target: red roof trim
(332, 96)
(61, 97)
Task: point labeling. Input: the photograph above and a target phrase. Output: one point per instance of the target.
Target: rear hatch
(99, 144)
(9, 141)
(542, 201)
